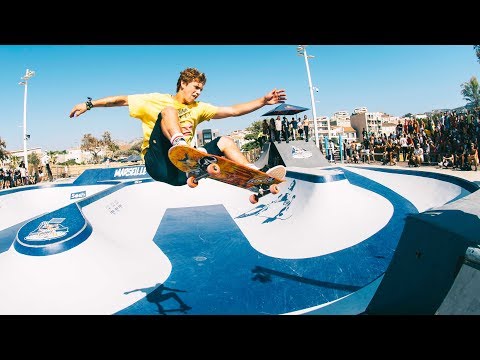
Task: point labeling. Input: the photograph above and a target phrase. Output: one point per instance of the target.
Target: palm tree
(14, 161)
(471, 92)
(477, 51)
(53, 156)
(34, 160)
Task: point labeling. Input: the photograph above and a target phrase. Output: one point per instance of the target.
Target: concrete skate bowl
(116, 242)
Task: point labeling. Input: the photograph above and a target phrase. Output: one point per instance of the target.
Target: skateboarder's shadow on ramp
(156, 295)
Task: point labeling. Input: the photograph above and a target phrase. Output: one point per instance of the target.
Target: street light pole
(302, 51)
(28, 75)
(328, 123)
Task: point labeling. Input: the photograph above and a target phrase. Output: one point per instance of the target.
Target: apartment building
(204, 136)
(346, 132)
(360, 110)
(370, 121)
(340, 118)
(322, 125)
(238, 136)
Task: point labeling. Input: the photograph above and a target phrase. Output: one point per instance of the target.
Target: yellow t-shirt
(146, 107)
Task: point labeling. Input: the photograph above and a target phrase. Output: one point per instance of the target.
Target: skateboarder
(169, 120)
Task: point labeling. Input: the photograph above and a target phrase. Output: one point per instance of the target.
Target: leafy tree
(14, 161)
(471, 92)
(3, 152)
(109, 143)
(92, 145)
(477, 51)
(252, 135)
(33, 160)
(69, 162)
(249, 146)
(253, 130)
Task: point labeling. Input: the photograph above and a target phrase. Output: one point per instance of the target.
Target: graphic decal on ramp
(48, 230)
(300, 153)
(277, 209)
(53, 233)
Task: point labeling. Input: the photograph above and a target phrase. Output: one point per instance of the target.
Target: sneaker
(278, 172)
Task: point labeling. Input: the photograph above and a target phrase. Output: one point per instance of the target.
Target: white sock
(253, 166)
(176, 138)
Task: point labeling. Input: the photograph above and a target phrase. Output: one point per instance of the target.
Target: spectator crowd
(447, 139)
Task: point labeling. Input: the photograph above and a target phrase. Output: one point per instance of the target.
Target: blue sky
(395, 79)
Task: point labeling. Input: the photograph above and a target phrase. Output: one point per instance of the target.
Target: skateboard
(199, 165)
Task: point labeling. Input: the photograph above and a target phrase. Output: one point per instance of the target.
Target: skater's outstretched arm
(273, 97)
(80, 108)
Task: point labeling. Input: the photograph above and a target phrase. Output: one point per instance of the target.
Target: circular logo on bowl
(53, 233)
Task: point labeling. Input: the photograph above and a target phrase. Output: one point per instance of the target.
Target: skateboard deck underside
(187, 160)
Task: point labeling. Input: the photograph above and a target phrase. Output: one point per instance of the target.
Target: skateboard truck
(262, 191)
(208, 167)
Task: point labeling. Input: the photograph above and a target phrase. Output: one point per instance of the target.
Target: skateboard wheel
(274, 189)
(213, 169)
(192, 182)
(253, 198)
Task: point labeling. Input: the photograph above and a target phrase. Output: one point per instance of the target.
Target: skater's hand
(275, 96)
(78, 110)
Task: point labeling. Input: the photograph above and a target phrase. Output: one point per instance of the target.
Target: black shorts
(158, 164)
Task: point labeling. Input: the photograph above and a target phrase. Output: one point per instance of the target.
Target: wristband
(88, 103)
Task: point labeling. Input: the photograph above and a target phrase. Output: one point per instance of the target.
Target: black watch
(88, 103)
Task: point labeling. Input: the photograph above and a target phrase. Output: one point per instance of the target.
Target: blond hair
(191, 74)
